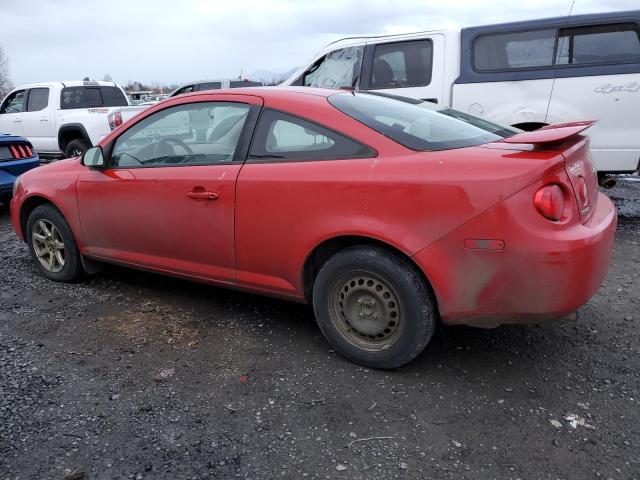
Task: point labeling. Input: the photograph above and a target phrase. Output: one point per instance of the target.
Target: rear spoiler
(550, 133)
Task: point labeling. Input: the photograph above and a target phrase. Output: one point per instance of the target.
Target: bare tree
(5, 82)
(107, 77)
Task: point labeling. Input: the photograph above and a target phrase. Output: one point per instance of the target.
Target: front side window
(183, 90)
(38, 99)
(509, 51)
(417, 124)
(283, 136)
(203, 133)
(14, 103)
(599, 44)
(336, 69)
(402, 64)
(80, 97)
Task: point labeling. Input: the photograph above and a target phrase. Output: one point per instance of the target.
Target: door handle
(17, 121)
(44, 119)
(202, 195)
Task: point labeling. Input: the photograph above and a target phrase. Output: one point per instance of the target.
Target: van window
(209, 86)
(599, 44)
(339, 68)
(417, 124)
(508, 51)
(402, 64)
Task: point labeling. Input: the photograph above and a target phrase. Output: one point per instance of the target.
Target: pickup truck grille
(15, 151)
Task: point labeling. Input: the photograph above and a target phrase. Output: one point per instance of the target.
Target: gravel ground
(131, 375)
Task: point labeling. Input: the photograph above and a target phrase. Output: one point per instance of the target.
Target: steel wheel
(48, 245)
(366, 311)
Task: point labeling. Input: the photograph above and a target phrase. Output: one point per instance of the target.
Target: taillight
(549, 201)
(115, 120)
(20, 151)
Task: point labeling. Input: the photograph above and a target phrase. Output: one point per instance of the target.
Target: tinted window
(80, 97)
(113, 97)
(14, 103)
(416, 124)
(336, 69)
(209, 86)
(38, 99)
(287, 137)
(599, 44)
(402, 64)
(244, 83)
(509, 51)
(202, 133)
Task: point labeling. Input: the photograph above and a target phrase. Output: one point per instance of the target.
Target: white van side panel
(613, 100)
(505, 103)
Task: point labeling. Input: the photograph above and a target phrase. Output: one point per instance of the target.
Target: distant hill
(267, 76)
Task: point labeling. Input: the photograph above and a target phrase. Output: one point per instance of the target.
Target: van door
(36, 120)
(598, 78)
(411, 68)
(11, 113)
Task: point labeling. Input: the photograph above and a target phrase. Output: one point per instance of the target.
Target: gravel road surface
(132, 375)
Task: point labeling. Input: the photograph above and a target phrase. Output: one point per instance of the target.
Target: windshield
(418, 124)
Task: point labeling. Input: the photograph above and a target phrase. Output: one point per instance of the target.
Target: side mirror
(93, 158)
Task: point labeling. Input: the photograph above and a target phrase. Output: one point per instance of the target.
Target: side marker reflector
(483, 244)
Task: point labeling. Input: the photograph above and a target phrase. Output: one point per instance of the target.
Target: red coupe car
(387, 214)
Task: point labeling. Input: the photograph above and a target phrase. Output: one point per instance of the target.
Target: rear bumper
(544, 271)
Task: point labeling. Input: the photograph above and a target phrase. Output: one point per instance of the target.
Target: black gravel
(132, 375)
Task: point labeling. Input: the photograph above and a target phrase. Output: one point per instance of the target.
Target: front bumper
(544, 271)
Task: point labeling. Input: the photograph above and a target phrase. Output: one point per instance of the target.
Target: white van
(524, 74)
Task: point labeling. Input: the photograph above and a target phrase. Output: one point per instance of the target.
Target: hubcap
(48, 245)
(366, 311)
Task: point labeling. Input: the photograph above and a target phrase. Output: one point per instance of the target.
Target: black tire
(76, 148)
(71, 267)
(352, 299)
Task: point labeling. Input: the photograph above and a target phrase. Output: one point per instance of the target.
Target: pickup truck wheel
(76, 148)
(374, 307)
(52, 245)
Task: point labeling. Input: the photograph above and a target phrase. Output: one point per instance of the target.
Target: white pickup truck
(119, 116)
(61, 118)
(524, 74)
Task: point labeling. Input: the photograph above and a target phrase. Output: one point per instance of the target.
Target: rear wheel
(374, 307)
(76, 148)
(52, 245)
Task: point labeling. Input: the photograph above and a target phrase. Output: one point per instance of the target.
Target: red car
(388, 215)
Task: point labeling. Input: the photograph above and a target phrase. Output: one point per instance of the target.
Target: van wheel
(52, 245)
(76, 148)
(374, 307)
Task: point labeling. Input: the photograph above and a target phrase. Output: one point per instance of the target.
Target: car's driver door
(166, 198)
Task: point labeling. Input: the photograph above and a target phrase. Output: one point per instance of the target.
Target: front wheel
(374, 307)
(76, 148)
(52, 245)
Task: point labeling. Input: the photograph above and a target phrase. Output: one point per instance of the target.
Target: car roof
(69, 83)
(269, 92)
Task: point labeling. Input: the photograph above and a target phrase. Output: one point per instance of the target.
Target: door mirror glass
(93, 157)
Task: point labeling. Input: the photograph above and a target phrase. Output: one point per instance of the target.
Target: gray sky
(175, 41)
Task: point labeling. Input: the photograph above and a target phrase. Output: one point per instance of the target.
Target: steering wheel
(169, 142)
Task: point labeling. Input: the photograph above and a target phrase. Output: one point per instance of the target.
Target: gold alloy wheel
(48, 245)
(366, 311)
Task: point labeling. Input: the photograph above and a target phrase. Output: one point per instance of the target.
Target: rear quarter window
(416, 124)
(80, 97)
(113, 97)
